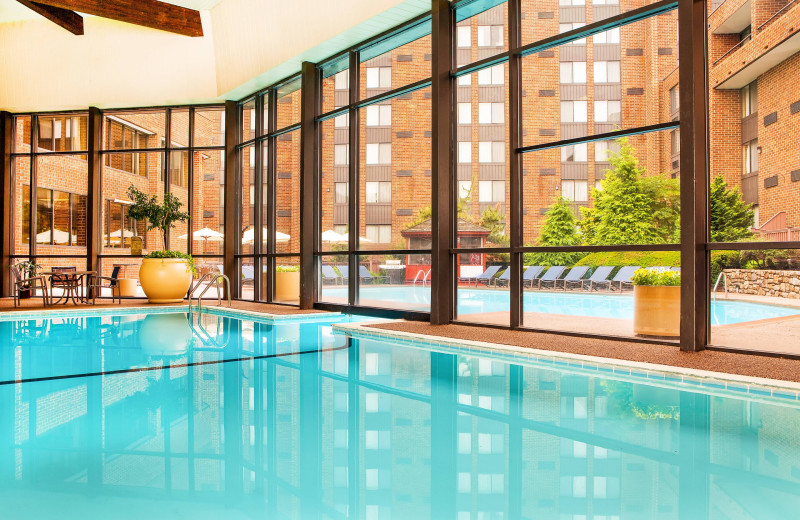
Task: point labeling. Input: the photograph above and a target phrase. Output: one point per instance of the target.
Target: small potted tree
(656, 302)
(28, 270)
(165, 275)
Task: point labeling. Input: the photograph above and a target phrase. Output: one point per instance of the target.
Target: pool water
(572, 303)
(129, 417)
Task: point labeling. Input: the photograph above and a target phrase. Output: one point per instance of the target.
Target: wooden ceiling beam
(146, 13)
(69, 20)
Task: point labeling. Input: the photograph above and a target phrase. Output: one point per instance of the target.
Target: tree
(628, 209)
(158, 216)
(731, 216)
(559, 230)
(493, 220)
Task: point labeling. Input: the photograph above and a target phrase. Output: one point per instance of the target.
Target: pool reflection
(369, 430)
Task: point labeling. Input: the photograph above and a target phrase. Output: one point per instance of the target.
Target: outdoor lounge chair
(328, 274)
(96, 285)
(248, 274)
(575, 274)
(366, 276)
(550, 276)
(599, 275)
(345, 270)
(623, 276)
(486, 276)
(529, 273)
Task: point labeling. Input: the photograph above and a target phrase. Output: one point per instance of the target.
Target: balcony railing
(757, 30)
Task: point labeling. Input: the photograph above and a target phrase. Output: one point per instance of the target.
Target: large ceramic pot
(165, 280)
(287, 286)
(657, 310)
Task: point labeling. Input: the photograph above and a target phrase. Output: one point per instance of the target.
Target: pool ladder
(215, 278)
(424, 277)
(721, 276)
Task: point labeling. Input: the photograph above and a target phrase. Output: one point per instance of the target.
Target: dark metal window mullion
(34, 182)
(258, 202)
(353, 150)
(190, 183)
(166, 165)
(272, 114)
(515, 141)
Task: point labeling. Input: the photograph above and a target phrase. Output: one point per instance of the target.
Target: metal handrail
(216, 278)
(416, 277)
(714, 291)
(424, 278)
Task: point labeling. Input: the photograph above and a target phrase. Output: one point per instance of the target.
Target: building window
(490, 36)
(379, 192)
(491, 113)
(60, 217)
(379, 234)
(602, 149)
(609, 36)
(750, 99)
(491, 151)
(119, 228)
(575, 153)
(120, 136)
(674, 99)
(379, 77)
(464, 189)
(606, 72)
(750, 157)
(607, 111)
(491, 191)
(574, 112)
(464, 113)
(59, 134)
(675, 141)
(464, 36)
(492, 75)
(567, 3)
(342, 121)
(464, 152)
(566, 27)
(379, 153)
(606, 2)
(746, 35)
(465, 80)
(576, 191)
(341, 80)
(178, 170)
(379, 115)
(573, 72)
(340, 155)
(341, 194)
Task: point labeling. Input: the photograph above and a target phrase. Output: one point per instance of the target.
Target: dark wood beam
(69, 20)
(147, 13)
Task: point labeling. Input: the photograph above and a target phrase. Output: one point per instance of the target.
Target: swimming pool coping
(661, 375)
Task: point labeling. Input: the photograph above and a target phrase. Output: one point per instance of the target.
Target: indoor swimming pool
(134, 414)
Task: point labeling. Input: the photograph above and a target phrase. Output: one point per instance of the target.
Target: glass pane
(397, 60)
(128, 270)
(572, 194)
(208, 203)
(62, 133)
(246, 278)
(481, 30)
(247, 214)
(179, 128)
(479, 299)
(333, 279)
(144, 171)
(133, 130)
(384, 282)
(287, 193)
(209, 127)
(22, 134)
(22, 205)
(334, 202)
(395, 182)
(601, 87)
(179, 187)
(63, 182)
(482, 168)
(204, 266)
(335, 84)
(287, 280)
(755, 299)
(248, 118)
(289, 98)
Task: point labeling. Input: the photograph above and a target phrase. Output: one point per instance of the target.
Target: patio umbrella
(248, 237)
(206, 234)
(333, 237)
(59, 237)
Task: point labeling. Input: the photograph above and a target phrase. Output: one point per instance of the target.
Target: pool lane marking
(181, 365)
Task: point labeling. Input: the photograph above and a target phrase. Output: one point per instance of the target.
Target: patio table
(74, 284)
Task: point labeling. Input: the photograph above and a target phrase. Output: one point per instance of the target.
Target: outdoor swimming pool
(223, 415)
(572, 303)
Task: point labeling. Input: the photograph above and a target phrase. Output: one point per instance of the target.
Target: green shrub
(640, 258)
(287, 268)
(175, 254)
(656, 278)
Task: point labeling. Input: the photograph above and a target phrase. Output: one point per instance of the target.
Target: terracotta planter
(287, 286)
(165, 280)
(657, 310)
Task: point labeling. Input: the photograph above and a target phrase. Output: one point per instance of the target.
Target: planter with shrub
(656, 302)
(287, 283)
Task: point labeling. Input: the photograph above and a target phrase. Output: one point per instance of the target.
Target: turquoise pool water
(132, 417)
(573, 303)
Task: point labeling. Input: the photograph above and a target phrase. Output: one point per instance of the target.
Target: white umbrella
(59, 237)
(333, 237)
(248, 237)
(205, 234)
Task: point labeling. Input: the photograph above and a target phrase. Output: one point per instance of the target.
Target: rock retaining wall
(762, 282)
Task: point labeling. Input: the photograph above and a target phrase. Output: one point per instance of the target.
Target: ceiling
(13, 11)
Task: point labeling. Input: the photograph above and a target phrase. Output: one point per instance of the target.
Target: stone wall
(763, 282)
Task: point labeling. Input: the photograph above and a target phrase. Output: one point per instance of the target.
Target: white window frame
(574, 112)
(379, 233)
(572, 72)
(379, 77)
(378, 154)
(379, 115)
(463, 36)
(575, 190)
(492, 75)
(492, 191)
(465, 113)
(341, 80)
(340, 151)
(464, 152)
(607, 71)
(491, 113)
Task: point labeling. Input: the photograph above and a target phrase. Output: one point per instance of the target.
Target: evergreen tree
(623, 211)
(559, 230)
(731, 217)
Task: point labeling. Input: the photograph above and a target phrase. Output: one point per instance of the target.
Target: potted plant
(165, 275)
(28, 270)
(656, 302)
(287, 282)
